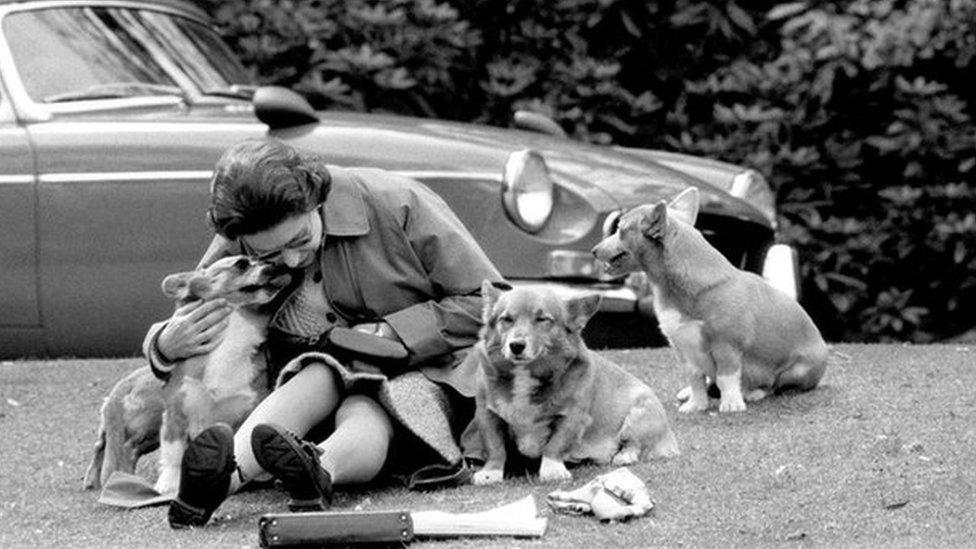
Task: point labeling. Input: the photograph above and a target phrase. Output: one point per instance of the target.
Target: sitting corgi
(725, 325)
(224, 385)
(540, 385)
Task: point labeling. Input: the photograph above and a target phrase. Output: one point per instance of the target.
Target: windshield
(83, 53)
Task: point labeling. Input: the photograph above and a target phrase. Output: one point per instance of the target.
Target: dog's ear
(654, 221)
(185, 286)
(489, 295)
(580, 309)
(199, 286)
(177, 285)
(685, 205)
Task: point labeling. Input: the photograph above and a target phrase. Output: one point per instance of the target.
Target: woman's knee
(316, 376)
(363, 408)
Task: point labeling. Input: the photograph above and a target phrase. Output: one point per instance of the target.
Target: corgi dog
(728, 327)
(224, 385)
(541, 387)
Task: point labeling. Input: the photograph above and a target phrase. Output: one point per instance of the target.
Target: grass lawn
(883, 453)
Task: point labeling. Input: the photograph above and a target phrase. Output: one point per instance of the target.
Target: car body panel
(155, 186)
(18, 250)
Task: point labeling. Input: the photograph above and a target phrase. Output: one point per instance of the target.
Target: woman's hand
(194, 329)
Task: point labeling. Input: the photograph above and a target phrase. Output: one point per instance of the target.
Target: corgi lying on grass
(728, 327)
(142, 413)
(540, 386)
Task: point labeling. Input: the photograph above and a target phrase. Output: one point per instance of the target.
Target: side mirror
(535, 122)
(282, 108)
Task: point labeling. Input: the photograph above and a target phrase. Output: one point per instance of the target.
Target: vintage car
(113, 112)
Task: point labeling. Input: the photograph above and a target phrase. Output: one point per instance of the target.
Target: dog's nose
(516, 347)
(275, 269)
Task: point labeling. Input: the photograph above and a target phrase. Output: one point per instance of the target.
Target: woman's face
(292, 243)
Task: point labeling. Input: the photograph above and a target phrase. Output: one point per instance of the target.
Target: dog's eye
(543, 319)
(505, 319)
(242, 264)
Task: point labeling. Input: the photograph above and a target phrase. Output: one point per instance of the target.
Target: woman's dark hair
(261, 182)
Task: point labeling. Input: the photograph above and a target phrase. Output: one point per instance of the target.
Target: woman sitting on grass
(377, 252)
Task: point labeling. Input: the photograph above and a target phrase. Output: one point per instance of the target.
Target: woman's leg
(356, 450)
(306, 399)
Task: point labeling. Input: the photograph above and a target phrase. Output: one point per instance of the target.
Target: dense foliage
(860, 112)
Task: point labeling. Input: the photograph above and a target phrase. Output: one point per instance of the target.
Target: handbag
(347, 345)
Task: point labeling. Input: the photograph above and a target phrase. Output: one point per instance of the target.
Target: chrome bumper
(780, 269)
(616, 298)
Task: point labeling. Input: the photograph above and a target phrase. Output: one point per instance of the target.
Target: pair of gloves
(615, 496)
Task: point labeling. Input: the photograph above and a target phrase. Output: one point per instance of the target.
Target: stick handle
(317, 529)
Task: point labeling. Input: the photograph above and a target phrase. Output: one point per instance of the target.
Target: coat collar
(344, 212)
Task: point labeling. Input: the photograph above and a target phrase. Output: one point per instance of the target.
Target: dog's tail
(93, 476)
(129, 426)
(109, 443)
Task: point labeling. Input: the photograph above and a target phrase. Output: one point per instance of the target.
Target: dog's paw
(731, 405)
(168, 482)
(551, 470)
(487, 476)
(692, 406)
(627, 456)
(756, 395)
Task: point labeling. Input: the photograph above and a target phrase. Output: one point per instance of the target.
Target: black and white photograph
(475, 273)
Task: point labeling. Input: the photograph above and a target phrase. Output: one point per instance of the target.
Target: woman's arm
(456, 265)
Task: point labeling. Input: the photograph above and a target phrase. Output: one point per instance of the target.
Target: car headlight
(527, 191)
(780, 269)
(752, 187)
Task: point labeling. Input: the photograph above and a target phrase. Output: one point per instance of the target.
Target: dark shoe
(295, 462)
(205, 473)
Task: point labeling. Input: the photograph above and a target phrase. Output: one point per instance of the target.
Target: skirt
(430, 419)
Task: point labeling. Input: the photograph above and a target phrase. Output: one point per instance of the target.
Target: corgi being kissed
(224, 385)
(726, 325)
(539, 385)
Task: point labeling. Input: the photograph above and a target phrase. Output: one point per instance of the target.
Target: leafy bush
(406, 56)
(859, 112)
(861, 120)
